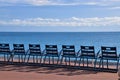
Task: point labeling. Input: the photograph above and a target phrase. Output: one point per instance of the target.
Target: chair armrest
(119, 56)
(12, 51)
(61, 52)
(43, 52)
(78, 53)
(98, 54)
(27, 51)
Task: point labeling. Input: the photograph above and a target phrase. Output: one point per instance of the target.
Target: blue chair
(35, 51)
(108, 54)
(87, 52)
(5, 50)
(51, 51)
(19, 50)
(68, 51)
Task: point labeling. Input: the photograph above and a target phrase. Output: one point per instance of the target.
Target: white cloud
(114, 8)
(60, 2)
(71, 22)
(38, 2)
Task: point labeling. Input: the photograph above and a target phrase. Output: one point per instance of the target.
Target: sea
(96, 39)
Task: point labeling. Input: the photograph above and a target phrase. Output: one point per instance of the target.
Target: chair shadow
(46, 70)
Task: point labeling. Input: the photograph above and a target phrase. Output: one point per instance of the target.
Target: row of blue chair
(67, 52)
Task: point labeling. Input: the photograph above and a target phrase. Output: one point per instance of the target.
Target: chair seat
(36, 54)
(69, 55)
(90, 57)
(5, 53)
(19, 53)
(109, 58)
(106, 58)
(53, 55)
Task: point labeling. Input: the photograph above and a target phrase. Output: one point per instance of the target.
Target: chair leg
(28, 58)
(65, 60)
(36, 58)
(69, 61)
(19, 58)
(24, 58)
(95, 63)
(12, 58)
(80, 62)
(41, 59)
(33, 59)
(53, 60)
(83, 62)
(61, 60)
(75, 61)
(49, 59)
(87, 62)
(58, 60)
(102, 64)
(107, 63)
(4, 58)
(117, 64)
(9, 57)
(44, 59)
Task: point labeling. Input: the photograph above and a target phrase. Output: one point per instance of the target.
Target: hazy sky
(59, 15)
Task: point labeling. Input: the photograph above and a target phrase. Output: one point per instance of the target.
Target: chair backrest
(4, 48)
(18, 48)
(34, 49)
(51, 49)
(88, 51)
(109, 52)
(68, 50)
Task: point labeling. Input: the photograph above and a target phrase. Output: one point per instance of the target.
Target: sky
(59, 15)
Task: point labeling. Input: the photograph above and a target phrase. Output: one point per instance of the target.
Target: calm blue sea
(96, 39)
